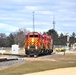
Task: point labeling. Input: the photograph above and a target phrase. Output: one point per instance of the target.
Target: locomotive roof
(46, 36)
(33, 33)
(36, 33)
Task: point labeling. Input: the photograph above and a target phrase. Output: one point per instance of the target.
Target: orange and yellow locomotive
(36, 43)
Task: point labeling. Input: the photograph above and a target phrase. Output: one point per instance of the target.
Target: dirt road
(61, 71)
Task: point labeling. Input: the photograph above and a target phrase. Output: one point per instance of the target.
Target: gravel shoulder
(13, 63)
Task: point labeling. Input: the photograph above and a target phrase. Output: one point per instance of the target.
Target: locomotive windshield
(33, 35)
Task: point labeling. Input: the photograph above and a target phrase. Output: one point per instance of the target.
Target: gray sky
(15, 14)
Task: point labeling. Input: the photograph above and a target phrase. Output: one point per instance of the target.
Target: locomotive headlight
(36, 47)
(32, 39)
(28, 47)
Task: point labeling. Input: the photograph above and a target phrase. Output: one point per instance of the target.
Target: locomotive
(36, 43)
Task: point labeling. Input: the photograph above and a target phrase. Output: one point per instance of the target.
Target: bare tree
(3, 40)
(19, 36)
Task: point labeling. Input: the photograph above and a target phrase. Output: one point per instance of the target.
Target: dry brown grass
(69, 60)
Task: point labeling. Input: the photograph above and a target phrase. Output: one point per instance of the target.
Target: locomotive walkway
(61, 71)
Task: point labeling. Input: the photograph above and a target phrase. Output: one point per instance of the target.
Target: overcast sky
(15, 14)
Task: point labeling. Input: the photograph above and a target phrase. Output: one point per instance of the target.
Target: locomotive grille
(33, 43)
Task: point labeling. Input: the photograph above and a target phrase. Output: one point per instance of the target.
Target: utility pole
(33, 23)
(54, 22)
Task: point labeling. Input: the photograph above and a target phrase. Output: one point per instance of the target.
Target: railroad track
(10, 62)
(7, 59)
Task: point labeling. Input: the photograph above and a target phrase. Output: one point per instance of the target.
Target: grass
(68, 60)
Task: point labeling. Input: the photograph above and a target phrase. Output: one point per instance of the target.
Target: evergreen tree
(54, 36)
